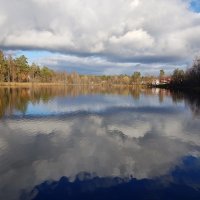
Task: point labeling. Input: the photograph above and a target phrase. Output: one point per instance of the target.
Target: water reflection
(191, 99)
(87, 186)
(18, 100)
(149, 140)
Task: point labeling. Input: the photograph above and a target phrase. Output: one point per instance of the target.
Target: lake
(99, 143)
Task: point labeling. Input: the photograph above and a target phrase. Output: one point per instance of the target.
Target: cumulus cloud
(127, 31)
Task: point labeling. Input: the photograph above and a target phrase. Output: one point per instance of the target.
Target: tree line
(18, 70)
(189, 78)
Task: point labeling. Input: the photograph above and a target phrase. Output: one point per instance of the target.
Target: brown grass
(28, 84)
(61, 84)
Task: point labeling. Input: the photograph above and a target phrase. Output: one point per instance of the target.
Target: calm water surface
(99, 143)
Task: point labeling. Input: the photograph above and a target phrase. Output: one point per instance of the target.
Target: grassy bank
(29, 84)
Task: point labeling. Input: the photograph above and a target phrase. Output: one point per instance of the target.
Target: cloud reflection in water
(140, 142)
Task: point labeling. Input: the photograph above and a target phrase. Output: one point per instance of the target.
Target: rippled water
(98, 143)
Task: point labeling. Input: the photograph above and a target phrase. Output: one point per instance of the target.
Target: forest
(189, 78)
(18, 70)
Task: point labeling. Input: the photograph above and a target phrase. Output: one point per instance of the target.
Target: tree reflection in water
(17, 99)
(143, 145)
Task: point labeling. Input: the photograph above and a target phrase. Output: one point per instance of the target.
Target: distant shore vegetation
(189, 78)
(18, 71)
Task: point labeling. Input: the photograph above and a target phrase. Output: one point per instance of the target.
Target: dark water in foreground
(99, 143)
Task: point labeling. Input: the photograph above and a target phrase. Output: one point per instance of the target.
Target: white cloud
(133, 40)
(124, 31)
(2, 20)
(38, 39)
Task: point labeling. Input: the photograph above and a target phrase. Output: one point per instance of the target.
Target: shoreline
(178, 88)
(32, 84)
(61, 84)
(10, 84)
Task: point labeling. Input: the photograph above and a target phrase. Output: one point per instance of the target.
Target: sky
(102, 36)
